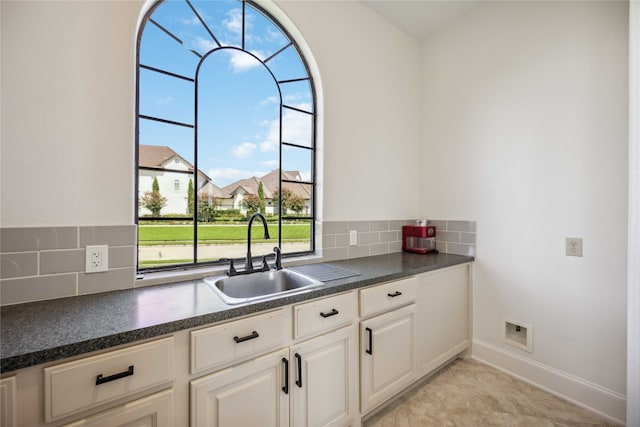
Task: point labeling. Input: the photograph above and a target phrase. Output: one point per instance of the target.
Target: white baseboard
(444, 358)
(604, 402)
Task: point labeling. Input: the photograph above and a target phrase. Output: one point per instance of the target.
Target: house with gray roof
(173, 173)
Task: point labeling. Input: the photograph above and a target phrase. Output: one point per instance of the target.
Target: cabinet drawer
(82, 384)
(387, 296)
(233, 341)
(316, 317)
(155, 410)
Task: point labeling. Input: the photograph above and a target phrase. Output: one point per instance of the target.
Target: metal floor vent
(324, 272)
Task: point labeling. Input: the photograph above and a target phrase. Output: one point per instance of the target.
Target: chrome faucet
(248, 265)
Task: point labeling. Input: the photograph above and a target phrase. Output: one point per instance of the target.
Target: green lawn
(177, 234)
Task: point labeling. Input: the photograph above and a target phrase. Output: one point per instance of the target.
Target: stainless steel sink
(260, 285)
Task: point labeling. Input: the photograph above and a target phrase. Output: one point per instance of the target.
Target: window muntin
(193, 52)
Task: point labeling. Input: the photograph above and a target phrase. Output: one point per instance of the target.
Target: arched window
(225, 102)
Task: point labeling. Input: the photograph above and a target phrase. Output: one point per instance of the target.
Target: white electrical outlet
(96, 258)
(353, 237)
(573, 246)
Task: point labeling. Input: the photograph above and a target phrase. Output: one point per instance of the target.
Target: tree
(261, 196)
(206, 208)
(296, 203)
(154, 201)
(252, 202)
(190, 197)
(283, 202)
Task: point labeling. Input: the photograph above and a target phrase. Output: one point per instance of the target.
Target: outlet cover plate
(573, 246)
(96, 259)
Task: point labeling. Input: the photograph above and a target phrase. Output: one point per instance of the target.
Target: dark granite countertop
(45, 331)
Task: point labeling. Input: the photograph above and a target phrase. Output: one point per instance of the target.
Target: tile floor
(470, 393)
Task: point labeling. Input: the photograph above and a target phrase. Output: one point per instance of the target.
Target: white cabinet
(388, 296)
(151, 411)
(387, 351)
(8, 402)
(322, 315)
(302, 365)
(76, 386)
(442, 316)
(323, 380)
(238, 340)
(254, 393)
(314, 381)
(311, 383)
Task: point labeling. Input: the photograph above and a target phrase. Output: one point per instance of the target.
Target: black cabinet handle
(253, 335)
(101, 380)
(370, 349)
(299, 363)
(285, 387)
(333, 312)
(395, 294)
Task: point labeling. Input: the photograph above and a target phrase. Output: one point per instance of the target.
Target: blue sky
(238, 100)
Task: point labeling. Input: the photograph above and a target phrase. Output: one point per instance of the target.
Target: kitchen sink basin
(260, 285)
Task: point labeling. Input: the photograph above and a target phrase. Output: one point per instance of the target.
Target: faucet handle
(232, 270)
(278, 261)
(265, 265)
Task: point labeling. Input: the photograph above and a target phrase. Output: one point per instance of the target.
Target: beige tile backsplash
(384, 237)
(39, 263)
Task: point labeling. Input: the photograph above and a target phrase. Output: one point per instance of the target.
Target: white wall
(525, 124)
(633, 267)
(370, 75)
(67, 113)
(68, 105)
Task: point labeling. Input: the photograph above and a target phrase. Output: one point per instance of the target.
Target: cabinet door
(323, 380)
(442, 316)
(8, 402)
(254, 393)
(387, 351)
(152, 411)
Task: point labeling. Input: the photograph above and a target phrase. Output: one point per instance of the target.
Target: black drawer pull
(101, 380)
(299, 362)
(370, 349)
(333, 312)
(395, 294)
(285, 387)
(253, 335)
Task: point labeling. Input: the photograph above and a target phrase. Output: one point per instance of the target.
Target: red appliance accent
(419, 239)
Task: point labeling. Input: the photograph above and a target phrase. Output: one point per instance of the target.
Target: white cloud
(274, 35)
(244, 150)
(272, 164)
(241, 62)
(272, 141)
(225, 176)
(270, 100)
(191, 21)
(164, 101)
(203, 44)
(296, 127)
(234, 22)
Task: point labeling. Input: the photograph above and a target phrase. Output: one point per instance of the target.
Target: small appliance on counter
(420, 238)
